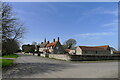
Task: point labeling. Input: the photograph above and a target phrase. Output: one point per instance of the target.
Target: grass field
(5, 62)
(10, 56)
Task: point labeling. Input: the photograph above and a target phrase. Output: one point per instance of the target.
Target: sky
(89, 23)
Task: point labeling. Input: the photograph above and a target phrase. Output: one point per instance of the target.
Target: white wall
(43, 55)
(60, 56)
(78, 51)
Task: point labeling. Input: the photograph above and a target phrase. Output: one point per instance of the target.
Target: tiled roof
(117, 52)
(94, 48)
(52, 44)
(43, 45)
(67, 50)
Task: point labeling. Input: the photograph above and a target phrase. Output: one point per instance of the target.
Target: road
(28, 66)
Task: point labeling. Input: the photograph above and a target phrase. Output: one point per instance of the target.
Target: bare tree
(12, 29)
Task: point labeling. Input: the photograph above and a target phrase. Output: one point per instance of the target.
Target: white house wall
(78, 51)
(41, 49)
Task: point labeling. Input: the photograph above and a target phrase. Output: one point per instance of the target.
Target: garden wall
(60, 56)
(43, 55)
(84, 57)
(79, 57)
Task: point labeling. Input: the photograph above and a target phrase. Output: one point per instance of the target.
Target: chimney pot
(58, 38)
(48, 42)
(53, 40)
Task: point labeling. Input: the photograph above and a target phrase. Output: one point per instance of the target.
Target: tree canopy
(70, 43)
(28, 48)
(12, 29)
(34, 43)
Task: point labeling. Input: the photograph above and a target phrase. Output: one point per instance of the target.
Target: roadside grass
(10, 56)
(5, 63)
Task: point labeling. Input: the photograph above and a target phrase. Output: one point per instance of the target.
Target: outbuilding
(93, 50)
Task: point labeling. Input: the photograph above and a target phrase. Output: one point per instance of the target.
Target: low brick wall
(94, 57)
(60, 56)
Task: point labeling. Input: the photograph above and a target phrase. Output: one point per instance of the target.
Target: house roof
(118, 52)
(67, 50)
(42, 45)
(94, 48)
(52, 44)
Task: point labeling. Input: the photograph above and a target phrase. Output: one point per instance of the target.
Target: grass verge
(5, 62)
(10, 56)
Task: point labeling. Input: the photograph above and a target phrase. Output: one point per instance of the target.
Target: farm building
(91, 50)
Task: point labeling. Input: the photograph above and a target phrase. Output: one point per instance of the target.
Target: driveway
(27, 66)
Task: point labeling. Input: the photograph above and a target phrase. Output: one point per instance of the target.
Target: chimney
(45, 40)
(58, 38)
(48, 42)
(41, 42)
(53, 40)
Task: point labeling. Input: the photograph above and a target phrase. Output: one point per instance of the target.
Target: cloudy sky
(90, 23)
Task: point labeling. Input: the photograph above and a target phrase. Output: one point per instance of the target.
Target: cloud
(111, 12)
(113, 25)
(110, 24)
(101, 10)
(95, 34)
(97, 11)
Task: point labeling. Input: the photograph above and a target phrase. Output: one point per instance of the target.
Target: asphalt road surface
(28, 66)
